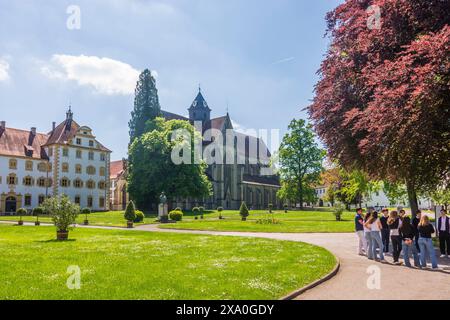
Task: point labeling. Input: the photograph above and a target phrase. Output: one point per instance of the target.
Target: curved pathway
(351, 282)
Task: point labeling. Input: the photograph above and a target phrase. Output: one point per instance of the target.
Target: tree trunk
(412, 198)
(300, 193)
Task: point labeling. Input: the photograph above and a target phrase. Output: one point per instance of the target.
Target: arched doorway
(11, 204)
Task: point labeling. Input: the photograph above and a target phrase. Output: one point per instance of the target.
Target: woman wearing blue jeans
(407, 234)
(374, 224)
(426, 229)
(368, 237)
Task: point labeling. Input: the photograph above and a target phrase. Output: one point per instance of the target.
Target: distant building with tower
(232, 183)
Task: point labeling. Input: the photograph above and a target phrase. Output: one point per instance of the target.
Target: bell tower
(199, 110)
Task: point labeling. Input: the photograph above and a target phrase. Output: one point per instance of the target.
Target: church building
(232, 183)
(67, 160)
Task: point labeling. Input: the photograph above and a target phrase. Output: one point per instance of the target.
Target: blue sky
(258, 56)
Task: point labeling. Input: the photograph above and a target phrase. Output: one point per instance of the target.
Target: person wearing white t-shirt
(444, 233)
(374, 224)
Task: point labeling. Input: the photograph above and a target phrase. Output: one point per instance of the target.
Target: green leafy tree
(441, 196)
(146, 104)
(300, 162)
(395, 192)
(62, 211)
(355, 186)
(152, 169)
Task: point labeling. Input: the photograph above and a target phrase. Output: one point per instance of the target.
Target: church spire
(199, 109)
(69, 113)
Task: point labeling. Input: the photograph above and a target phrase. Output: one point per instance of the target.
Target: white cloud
(105, 75)
(4, 68)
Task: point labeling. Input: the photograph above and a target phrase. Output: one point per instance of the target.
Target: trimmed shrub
(243, 211)
(38, 211)
(338, 210)
(130, 211)
(139, 216)
(22, 211)
(220, 209)
(176, 215)
(86, 211)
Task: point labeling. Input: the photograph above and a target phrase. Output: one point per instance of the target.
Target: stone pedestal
(163, 213)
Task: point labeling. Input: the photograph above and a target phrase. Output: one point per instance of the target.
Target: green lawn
(121, 264)
(110, 218)
(292, 221)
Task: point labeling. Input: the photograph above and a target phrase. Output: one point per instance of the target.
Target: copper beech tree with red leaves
(382, 103)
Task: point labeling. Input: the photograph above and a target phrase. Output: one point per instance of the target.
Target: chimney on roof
(3, 125)
(33, 131)
(53, 126)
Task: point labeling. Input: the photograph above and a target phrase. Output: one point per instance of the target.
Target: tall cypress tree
(146, 104)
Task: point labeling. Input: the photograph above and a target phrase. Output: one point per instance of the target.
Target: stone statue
(162, 198)
(163, 213)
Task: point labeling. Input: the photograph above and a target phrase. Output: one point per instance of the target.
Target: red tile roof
(65, 131)
(117, 168)
(22, 143)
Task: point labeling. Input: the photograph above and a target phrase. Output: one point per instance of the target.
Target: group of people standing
(412, 237)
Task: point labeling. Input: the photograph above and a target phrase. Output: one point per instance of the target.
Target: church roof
(267, 180)
(22, 143)
(199, 101)
(117, 168)
(172, 116)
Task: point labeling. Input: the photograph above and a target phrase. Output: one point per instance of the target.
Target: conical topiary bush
(130, 214)
(243, 211)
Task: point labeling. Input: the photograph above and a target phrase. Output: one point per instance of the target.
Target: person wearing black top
(415, 224)
(407, 234)
(443, 224)
(394, 224)
(385, 230)
(426, 229)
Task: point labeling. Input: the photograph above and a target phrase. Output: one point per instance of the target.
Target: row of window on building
(29, 181)
(77, 199)
(78, 154)
(44, 166)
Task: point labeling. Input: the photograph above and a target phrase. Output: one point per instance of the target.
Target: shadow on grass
(55, 241)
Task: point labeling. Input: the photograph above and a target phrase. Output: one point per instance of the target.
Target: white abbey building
(67, 160)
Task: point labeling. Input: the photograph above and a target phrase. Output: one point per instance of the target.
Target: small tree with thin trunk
(301, 162)
(63, 212)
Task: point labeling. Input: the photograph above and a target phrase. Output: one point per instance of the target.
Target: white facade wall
(56, 159)
(20, 189)
(377, 199)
